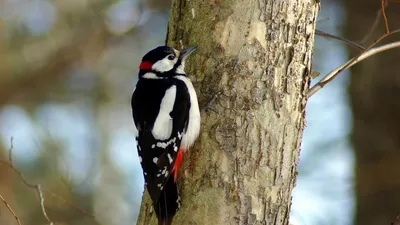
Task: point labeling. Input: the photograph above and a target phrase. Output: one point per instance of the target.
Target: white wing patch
(193, 130)
(162, 128)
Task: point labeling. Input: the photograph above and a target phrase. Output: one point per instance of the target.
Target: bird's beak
(187, 51)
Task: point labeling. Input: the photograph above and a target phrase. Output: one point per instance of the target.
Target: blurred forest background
(67, 71)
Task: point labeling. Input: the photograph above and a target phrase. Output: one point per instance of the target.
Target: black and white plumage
(166, 121)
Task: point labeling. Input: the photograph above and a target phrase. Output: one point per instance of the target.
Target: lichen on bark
(255, 55)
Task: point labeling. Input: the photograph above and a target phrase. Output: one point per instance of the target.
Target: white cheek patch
(164, 65)
(162, 128)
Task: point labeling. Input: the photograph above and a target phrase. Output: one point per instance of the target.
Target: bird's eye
(171, 57)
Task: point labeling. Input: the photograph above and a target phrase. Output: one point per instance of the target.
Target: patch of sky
(124, 156)
(123, 16)
(16, 122)
(324, 183)
(73, 127)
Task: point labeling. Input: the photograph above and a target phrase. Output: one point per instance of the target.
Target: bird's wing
(161, 113)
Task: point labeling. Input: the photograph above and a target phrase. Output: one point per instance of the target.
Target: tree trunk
(254, 58)
(374, 94)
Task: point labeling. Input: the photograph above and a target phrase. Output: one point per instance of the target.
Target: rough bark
(254, 56)
(374, 94)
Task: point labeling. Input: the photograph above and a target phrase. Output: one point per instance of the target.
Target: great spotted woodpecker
(167, 121)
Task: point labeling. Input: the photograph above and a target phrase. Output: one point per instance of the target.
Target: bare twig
(374, 25)
(369, 51)
(383, 5)
(33, 186)
(323, 20)
(346, 41)
(38, 189)
(19, 174)
(40, 194)
(68, 203)
(11, 210)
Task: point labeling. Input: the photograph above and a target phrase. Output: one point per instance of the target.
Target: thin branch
(11, 210)
(367, 52)
(344, 40)
(26, 183)
(33, 186)
(40, 194)
(323, 20)
(39, 189)
(68, 203)
(374, 25)
(331, 75)
(383, 5)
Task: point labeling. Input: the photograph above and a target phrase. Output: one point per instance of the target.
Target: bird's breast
(193, 129)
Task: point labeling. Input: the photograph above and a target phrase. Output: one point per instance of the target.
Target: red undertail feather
(177, 164)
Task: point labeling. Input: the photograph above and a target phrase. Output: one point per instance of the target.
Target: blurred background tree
(67, 70)
(374, 93)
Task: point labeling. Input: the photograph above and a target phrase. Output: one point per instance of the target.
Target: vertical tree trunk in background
(375, 93)
(257, 55)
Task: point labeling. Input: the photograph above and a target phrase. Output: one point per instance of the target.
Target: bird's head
(164, 60)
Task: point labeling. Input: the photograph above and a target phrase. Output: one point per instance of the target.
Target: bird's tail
(168, 204)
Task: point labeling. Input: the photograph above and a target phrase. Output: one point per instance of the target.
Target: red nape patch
(177, 164)
(145, 65)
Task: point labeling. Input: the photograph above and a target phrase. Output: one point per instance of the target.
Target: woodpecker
(166, 119)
